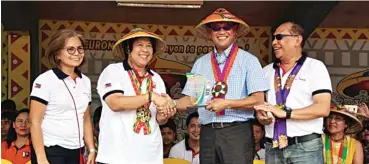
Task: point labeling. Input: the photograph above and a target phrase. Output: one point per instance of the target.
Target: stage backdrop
(4, 65)
(19, 68)
(15, 66)
(183, 48)
(345, 53)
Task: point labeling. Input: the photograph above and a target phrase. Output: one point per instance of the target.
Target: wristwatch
(288, 111)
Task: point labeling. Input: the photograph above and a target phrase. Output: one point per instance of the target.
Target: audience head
(341, 120)
(258, 131)
(287, 40)
(20, 126)
(6, 120)
(8, 105)
(169, 132)
(193, 126)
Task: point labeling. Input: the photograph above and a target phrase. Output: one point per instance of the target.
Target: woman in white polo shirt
(60, 105)
(129, 123)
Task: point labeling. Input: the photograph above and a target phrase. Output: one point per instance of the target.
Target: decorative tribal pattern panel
(4, 64)
(346, 55)
(19, 69)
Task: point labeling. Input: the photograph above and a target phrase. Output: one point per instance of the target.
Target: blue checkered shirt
(245, 78)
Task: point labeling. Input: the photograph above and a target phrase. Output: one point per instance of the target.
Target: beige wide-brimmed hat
(119, 50)
(221, 15)
(355, 126)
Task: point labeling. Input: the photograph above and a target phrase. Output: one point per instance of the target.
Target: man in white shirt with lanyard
(189, 148)
(299, 99)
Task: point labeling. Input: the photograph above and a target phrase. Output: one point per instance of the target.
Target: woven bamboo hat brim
(221, 15)
(119, 51)
(356, 125)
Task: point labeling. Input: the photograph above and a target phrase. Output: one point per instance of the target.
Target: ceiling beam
(18, 15)
(308, 14)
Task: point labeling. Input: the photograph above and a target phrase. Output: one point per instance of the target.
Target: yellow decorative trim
(340, 34)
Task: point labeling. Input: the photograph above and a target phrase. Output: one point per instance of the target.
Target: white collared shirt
(118, 143)
(313, 78)
(59, 125)
(182, 150)
(260, 154)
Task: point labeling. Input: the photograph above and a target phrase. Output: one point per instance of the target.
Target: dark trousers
(230, 145)
(59, 155)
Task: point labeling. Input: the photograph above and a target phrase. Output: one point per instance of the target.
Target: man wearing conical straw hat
(130, 93)
(239, 84)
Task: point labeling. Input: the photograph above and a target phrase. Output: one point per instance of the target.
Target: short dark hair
(297, 29)
(190, 116)
(128, 45)
(257, 123)
(97, 115)
(8, 115)
(171, 125)
(8, 105)
(12, 135)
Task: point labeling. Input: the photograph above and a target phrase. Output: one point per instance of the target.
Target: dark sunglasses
(218, 28)
(281, 36)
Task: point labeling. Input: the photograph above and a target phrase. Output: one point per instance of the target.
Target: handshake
(165, 106)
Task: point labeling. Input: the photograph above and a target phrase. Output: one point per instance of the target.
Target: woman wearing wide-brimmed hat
(131, 93)
(339, 146)
(238, 85)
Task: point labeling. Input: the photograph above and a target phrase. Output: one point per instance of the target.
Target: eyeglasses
(281, 36)
(218, 28)
(22, 122)
(335, 117)
(71, 50)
